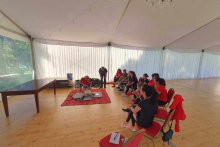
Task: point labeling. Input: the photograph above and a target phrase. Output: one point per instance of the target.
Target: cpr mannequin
(88, 92)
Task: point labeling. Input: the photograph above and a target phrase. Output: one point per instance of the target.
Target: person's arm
(134, 105)
(159, 90)
(82, 83)
(135, 110)
(130, 83)
(90, 84)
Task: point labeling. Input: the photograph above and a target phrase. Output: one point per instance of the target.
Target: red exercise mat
(103, 100)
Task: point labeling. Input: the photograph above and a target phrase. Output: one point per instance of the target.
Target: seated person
(86, 83)
(143, 113)
(117, 76)
(145, 80)
(124, 75)
(161, 90)
(132, 83)
(124, 81)
(152, 81)
(138, 97)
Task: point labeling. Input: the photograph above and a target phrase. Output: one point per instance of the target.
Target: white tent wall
(180, 65)
(210, 67)
(140, 61)
(58, 60)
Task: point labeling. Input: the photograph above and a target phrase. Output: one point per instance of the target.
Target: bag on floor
(77, 84)
(168, 135)
(96, 82)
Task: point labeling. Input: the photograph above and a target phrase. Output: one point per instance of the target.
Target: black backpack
(95, 82)
(168, 135)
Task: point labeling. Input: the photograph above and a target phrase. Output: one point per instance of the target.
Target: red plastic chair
(170, 95)
(155, 129)
(161, 115)
(133, 141)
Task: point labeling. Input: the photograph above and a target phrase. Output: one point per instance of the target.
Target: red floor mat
(69, 102)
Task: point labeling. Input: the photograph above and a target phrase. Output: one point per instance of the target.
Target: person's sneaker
(132, 128)
(117, 87)
(123, 95)
(124, 125)
(120, 90)
(113, 86)
(133, 100)
(126, 110)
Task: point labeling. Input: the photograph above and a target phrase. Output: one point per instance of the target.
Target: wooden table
(31, 87)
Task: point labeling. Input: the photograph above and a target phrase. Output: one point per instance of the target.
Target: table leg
(5, 103)
(54, 87)
(37, 102)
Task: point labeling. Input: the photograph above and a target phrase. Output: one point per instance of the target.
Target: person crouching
(86, 83)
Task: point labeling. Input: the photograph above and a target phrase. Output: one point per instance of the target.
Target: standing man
(103, 73)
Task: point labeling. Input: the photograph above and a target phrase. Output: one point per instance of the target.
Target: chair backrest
(140, 79)
(170, 95)
(169, 117)
(134, 140)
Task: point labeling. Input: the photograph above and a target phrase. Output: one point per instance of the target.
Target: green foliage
(14, 59)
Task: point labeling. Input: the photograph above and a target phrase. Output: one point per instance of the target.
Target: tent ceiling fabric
(141, 26)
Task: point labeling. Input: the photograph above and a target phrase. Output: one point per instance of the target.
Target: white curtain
(139, 61)
(58, 60)
(210, 66)
(178, 65)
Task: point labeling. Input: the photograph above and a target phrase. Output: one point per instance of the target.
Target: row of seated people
(148, 96)
(130, 81)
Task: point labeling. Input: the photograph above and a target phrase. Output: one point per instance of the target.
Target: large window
(15, 63)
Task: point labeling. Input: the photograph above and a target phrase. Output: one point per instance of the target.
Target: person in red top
(86, 83)
(161, 90)
(152, 81)
(117, 76)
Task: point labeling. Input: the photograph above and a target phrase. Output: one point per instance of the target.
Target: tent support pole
(15, 24)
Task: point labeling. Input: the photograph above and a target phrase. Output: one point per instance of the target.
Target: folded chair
(155, 130)
(170, 95)
(133, 141)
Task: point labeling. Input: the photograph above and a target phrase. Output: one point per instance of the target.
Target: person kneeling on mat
(86, 83)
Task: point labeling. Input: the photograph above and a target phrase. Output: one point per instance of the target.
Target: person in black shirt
(143, 113)
(132, 83)
(145, 80)
(103, 73)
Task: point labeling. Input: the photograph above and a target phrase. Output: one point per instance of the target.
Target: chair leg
(153, 142)
(150, 139)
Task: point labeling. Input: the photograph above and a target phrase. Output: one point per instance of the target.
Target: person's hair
(102, 67)
(139, 85)
(156, 75)
(146, 75)
(161, 81)
(119, 70)
(133, 73)
(150, 91)
(124, 69)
